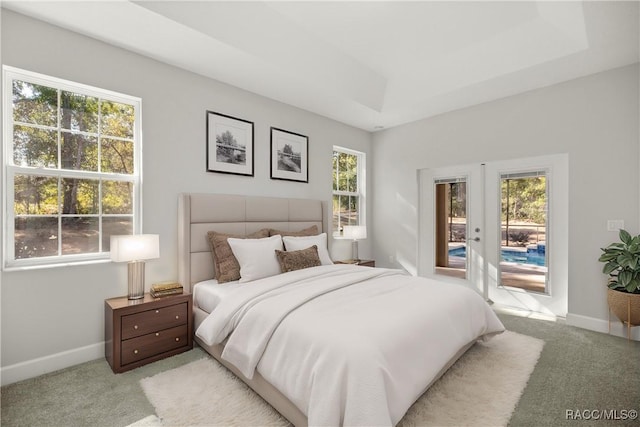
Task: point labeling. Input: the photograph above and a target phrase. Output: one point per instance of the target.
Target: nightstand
(142, 331)
(363, 262)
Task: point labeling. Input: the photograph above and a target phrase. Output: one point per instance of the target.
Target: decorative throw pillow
(226, 265)
(257, 257)
(295, 243)
(310, 231)
(297, 260)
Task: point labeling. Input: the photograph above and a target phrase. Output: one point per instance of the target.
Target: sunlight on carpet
(482, 388)
(150, 421)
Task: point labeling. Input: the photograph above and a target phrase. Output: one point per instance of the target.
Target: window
(348, 189)
(523, 210)
(71, 169)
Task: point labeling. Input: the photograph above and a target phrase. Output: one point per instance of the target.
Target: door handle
(475, 239)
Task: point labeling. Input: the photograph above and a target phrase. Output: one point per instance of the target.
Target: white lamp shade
(355, 232)
(135, 247)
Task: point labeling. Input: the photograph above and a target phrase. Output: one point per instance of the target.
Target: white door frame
(483, 211)
(555, 300)
(476, 265)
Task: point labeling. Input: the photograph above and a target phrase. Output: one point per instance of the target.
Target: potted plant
(622, 264)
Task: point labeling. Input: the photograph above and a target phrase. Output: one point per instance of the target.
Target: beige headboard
(199, 213)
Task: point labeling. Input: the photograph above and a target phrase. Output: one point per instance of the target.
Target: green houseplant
(622, 264)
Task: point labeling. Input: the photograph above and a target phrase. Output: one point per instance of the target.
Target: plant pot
(621, 303)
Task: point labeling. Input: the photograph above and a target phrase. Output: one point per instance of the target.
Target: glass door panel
(451, 227)
(523, 260)
(451, 242)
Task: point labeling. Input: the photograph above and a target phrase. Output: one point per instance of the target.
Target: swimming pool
(532, 257)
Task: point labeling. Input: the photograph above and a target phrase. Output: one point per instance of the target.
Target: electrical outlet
(615, 224)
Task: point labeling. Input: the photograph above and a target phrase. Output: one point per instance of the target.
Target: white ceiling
(369, 64)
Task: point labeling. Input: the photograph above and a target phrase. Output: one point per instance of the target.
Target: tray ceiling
(373, 64)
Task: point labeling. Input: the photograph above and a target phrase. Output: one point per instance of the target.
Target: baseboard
(44, 365)
(599, 325)
(521, 312)
(584, 322)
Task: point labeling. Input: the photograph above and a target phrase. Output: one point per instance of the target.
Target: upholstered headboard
(199, 213)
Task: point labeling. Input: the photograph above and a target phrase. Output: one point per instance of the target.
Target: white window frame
(361, 193)
(9, 169)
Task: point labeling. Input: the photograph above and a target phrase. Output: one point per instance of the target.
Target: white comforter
(348, 345)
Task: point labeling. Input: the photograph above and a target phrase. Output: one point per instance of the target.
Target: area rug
(481, 389)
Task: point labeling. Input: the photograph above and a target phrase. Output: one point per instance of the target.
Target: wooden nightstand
(142, 331)
(363, 262)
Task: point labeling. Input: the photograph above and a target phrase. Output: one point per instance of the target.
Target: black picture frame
(289, 155)
(224, 134)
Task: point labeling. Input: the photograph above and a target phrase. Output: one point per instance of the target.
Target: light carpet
(481, 389)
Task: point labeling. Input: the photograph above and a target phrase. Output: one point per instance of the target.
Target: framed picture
(229, 144)
(289, 156)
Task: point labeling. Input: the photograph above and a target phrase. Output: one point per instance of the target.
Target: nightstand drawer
(135, 325)
(155, 343)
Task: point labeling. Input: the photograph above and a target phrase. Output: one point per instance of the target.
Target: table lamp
(355, 232)
(134, 249)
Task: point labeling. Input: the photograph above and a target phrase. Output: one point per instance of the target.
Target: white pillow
(257, 257)
(296, 243)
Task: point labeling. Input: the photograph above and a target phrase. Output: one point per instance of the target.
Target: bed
(326, 345)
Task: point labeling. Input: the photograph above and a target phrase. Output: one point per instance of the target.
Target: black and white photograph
(289, 156)
(229, 144)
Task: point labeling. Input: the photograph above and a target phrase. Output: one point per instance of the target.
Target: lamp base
(136, 279)
(354, 250)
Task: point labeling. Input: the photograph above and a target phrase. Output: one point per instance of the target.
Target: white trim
(486, 260)
(67, 85)
(555, 300)
(473, 176)
(362, 188)
(45, 263)
(576, 320)
(599, 325)
(9, 74)
(43, 365)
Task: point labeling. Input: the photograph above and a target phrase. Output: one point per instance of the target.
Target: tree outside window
(348, 192)
(72, 180)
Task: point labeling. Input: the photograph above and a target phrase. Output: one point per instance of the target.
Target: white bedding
(348, 345)
(208, 294)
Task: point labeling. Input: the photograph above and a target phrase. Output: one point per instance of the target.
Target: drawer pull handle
(157, 334)
(157, 311)
(177, 339)
(135, 326)
(177, 317)
(135, 351)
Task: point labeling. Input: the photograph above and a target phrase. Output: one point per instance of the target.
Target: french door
(452, 234)
(500, 228)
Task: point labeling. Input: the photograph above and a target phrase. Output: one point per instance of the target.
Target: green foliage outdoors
(346, 168)
(527, 201)
(62, 131)
(38, 142)
(622, 263)
(345, 178)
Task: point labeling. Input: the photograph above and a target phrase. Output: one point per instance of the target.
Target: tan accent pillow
(226, 265)
(310, 231)
(297, 260)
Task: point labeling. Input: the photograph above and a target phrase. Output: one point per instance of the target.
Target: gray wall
(593, 119)
(49, 311)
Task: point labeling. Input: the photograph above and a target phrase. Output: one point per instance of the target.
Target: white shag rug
(481, 389)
